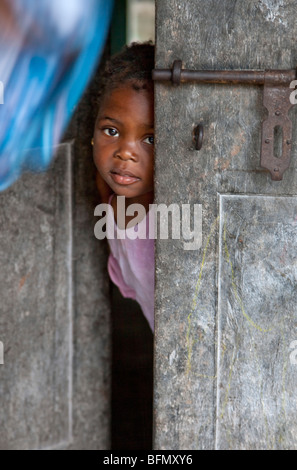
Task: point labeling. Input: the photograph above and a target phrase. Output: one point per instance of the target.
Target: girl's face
(124, 142)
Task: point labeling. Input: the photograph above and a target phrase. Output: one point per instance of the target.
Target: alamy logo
(158, 227)
(1, 353)
(293, 95)
(1, 92)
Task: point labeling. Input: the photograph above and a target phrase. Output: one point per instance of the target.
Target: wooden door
(226, 314)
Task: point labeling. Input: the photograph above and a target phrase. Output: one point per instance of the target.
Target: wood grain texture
(221, 383)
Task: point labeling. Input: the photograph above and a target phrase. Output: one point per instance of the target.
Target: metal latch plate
(276, 98)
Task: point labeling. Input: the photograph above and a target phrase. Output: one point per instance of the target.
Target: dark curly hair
(132, 65)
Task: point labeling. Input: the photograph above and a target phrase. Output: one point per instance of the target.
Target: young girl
(124, 157)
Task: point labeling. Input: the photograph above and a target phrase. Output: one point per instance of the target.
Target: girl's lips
(123, 177)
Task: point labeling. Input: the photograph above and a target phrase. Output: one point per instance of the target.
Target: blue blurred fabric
(46, 62)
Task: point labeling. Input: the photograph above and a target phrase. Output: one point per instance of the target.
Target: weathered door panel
(54, 382)
(225, 314)
(36, 309)
(256, 322)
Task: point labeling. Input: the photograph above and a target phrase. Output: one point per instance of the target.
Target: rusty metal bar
(250, 77)
(212, 76)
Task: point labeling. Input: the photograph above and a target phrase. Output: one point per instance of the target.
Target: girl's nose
(127, 151)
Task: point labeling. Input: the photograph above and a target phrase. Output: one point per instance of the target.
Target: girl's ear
(104, 190)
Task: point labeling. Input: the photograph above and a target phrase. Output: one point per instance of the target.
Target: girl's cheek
(97, 158)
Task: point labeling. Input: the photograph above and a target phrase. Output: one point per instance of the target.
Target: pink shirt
(131, 265)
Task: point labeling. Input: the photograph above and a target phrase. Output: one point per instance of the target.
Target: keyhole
(278, 142)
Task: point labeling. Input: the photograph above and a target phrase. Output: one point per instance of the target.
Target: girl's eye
(111, 132)
(149, 140)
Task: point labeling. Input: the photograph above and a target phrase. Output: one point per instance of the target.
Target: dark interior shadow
(132, 376)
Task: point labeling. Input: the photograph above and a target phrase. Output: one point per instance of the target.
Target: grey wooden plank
(54, 321)
(36, 308)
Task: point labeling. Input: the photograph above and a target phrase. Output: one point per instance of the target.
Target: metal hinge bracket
(276, 98)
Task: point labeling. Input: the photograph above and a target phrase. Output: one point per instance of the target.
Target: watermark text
(1, 92)
(186, 222)
(1, 353)
(293, 355)
(293, 95)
